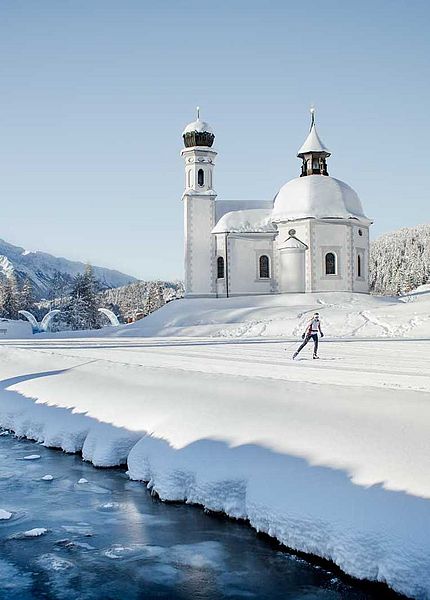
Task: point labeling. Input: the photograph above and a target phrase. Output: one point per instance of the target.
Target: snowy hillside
(400, 260)
(46, 271)
(343, 315)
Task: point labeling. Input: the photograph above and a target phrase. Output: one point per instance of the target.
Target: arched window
(358, 265)
(330, 263)
(200, 177)
(264, 268)
(220, 267)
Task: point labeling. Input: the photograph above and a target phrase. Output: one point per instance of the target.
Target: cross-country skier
(311, 332)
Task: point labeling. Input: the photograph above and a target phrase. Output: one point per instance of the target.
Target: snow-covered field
(330, 457)
(344, 315)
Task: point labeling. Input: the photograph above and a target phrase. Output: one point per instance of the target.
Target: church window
(264, 267)
(330, 263)
(359, 265)
(200, 177)
(220, 267)
(360, 232)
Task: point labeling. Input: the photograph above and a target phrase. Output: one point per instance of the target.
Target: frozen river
(107, 538)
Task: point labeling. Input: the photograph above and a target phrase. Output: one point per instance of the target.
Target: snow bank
(10, 328)
(339, 470)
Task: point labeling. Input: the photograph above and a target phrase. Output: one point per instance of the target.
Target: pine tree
(400, 261)
(10, 298)
(26, 298)
(154, 297)
(59, 289)
(140, 298)
(81, 311)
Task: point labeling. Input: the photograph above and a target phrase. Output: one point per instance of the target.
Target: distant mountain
(51, 275)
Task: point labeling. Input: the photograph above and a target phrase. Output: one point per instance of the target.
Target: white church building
(312, 237)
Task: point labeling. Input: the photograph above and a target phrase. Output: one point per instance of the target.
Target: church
(312, 237)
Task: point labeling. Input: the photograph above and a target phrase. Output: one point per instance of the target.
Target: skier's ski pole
(291, 346)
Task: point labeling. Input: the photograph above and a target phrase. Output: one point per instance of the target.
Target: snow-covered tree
(81, 309)
(400, 261)
(9, 298)
(26, 298)
(140, 298)
(59, 289)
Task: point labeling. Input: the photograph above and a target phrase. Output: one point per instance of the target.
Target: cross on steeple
(312, 111)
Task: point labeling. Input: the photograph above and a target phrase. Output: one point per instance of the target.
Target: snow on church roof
(313, 143)
(225, 206)
(199, 126)
(318, 197)
(292, 243)
(257, 220)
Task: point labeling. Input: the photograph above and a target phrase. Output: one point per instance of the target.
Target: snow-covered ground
(344, 315)
(331, 457)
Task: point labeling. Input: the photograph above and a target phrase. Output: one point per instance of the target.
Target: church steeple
(313, 152)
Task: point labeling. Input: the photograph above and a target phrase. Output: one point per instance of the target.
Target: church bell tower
(199, 209)
(313, 152)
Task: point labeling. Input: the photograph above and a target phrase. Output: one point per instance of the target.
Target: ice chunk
(47, 478)
(72, 545)
(36, 532)
(4, 514)
(30, 533)
(51, 562)
(31, 457)
(85, 486)
(133, 551)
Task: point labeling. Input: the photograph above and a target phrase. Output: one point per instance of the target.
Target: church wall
(199, 217)
(303, 233)
(360, 248)
(331, 238)
(220, 252)
(243, 264)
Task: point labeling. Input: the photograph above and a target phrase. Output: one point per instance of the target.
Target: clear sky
(94, 95)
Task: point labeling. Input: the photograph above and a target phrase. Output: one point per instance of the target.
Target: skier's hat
(316, 314)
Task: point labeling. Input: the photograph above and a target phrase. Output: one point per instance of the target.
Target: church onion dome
(255, 220)
(313, 144)
(198, 133)
(317, 197)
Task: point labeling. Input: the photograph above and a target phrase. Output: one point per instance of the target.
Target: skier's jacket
(313, 328)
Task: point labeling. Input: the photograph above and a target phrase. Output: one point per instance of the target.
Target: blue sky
(94, 95)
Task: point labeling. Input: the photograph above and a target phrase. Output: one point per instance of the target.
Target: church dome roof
(318, 197)
(198, 126)
(198, 133)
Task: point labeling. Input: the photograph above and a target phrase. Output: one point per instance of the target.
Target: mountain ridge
(47, 272)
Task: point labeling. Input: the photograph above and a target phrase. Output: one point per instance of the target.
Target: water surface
(107, 538)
